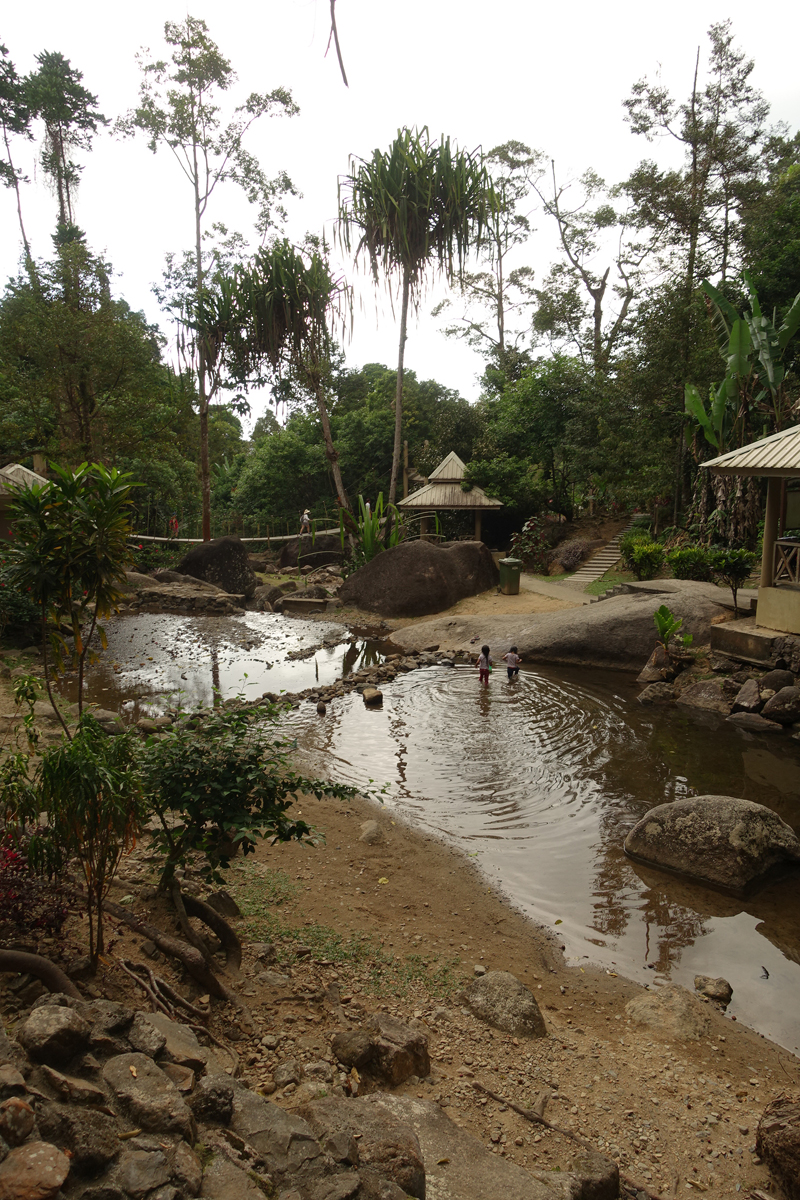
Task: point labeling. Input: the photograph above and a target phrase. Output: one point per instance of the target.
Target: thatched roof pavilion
(444, 491)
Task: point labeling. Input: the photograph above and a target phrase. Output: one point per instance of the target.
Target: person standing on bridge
(305, 522)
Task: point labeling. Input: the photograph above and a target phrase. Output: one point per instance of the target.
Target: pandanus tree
(275, 313)
(416, 209)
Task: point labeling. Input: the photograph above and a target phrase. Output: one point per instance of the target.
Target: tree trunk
(398, 403)
(331, 453)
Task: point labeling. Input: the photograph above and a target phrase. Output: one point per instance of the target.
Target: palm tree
(415, 207)
(278, 309)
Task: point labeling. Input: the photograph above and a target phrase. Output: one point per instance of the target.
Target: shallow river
(539, 781)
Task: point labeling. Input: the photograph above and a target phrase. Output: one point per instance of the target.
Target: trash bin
(509, 576)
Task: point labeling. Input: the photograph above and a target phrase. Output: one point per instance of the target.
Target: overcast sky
(552, 76)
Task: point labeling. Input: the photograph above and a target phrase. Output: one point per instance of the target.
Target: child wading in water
(512, 662)
(484, 665)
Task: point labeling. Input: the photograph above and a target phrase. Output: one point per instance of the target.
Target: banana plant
(753, 350)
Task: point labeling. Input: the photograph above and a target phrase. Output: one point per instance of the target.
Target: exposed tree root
(165, 999)
(178, 899)
(537, 1119)
(51, 976)
(189, 956)
(217, 923)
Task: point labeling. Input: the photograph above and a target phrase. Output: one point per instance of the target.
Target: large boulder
(617, 633)
(223, 562)
(784, 706)
(322, 551)
(720, 840)
(418, 578)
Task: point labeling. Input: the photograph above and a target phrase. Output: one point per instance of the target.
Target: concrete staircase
(600, 562)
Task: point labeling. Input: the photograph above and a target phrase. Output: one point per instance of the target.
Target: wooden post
(405, 469)
(477, 524)
(771, 518)
(423, 528)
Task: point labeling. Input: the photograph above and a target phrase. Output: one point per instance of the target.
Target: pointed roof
(777, 455)
(450, 469)
(444, 490)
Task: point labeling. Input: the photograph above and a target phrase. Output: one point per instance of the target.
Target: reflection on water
(541, 780)
(544, 778)
(157, 659)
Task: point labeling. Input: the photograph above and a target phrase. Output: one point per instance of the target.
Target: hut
(778, 459)
(14, 475)
(445, 491)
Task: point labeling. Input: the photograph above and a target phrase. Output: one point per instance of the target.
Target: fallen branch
(536, 1119)
(218, 925)
(50, 975)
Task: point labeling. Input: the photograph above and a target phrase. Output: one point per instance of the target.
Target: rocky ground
(399, 925)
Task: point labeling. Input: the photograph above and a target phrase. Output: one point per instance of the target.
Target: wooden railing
(787, 561)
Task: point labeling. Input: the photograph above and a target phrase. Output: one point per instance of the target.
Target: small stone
(12, 1081)
(142, 1170)
(754, 723)
(372, 697)
(716, 989)
(224, 903)
(479, 969)
(17, 1119)
(213, 1100)
(265, 952)
(182, 1077)
(147, 1095)
(287, 1072)
(784, 706)
(501, 1000)
(53, 1034)
(371, 833)
(145, 1038)
(78, 1091)
(36, 1171)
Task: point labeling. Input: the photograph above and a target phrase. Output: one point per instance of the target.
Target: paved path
(557, 591)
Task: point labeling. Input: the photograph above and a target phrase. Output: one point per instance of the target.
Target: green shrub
(691, 562)
(156, 556)
(641, 554)
(16, 606)
(733, 567)
(648, 558)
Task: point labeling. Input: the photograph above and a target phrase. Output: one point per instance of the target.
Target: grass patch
(260, 893)
(609, 580)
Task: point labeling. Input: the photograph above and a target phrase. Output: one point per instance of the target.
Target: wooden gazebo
(778, 459)
(444, 491)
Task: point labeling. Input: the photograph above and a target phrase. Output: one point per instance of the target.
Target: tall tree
(279, 309)
(416, 208)
(694, 210)
(585, 224)
(179, 109)
(71, 119)
(498, 295)
(15, 120)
